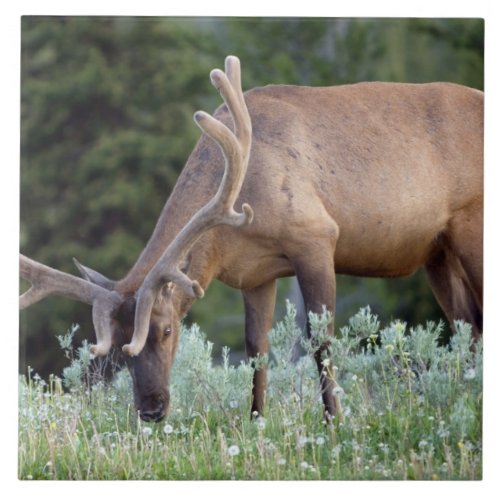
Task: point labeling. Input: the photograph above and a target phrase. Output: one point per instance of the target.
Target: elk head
(146, 326)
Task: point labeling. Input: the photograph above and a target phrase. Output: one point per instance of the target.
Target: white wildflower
(302, 441)
(233, 450)
(281, 461)
(470, 374)
(147, 431)
(336, 450)
(261, 423)
(384, 447)
(320, 440)
(443, 432)
(168, 429)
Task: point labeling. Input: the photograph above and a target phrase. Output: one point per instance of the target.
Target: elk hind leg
(466, 241)
(453, 291)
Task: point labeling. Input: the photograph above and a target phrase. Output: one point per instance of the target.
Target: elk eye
(167, 331)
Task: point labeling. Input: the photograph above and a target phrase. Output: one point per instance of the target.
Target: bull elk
(371, 179)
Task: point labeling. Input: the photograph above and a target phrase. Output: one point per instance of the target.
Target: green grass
(411, 410)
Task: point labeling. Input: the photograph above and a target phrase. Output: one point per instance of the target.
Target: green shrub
(411, 410)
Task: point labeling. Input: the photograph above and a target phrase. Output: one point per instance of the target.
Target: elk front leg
(259, 310)
(315, 272)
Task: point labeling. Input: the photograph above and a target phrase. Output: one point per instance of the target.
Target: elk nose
(153, 414)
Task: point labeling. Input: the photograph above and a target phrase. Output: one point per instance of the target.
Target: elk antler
(46, 281)
(219, 210)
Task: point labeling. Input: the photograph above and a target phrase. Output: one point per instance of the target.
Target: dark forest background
(106, 126)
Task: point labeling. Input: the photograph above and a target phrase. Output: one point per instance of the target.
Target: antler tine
(219, 210)
(233, 72)
(239, 111)
(46, 281)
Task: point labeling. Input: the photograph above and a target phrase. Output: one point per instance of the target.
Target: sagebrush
(411, 409)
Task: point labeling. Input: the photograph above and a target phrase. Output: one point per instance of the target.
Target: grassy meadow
(410, 410)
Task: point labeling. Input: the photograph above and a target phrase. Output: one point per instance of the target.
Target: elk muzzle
(154, 408)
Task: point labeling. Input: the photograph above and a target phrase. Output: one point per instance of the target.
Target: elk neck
(197, 183)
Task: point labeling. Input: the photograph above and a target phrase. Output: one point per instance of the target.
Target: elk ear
(167, 289)
(94, 276)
